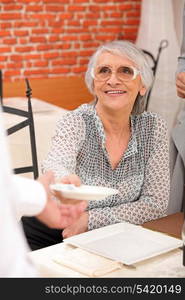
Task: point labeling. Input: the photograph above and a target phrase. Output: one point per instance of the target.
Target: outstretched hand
(55, 214)
(59, 216)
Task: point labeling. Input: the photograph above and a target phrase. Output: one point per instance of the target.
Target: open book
(124, 242)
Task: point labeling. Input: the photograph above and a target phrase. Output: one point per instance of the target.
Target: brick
(36, 72)
(5, 49)
(57, 24)
(74, 23)
(31, 56)
(5, 25)
(90, 23)
(34, 8)
(44, 47)
(86, 53)
(10, 41)
(105, 38)
(66, 16)
(77, 30)
(54, 38)
(112, 22)
(69, 54)
(94, 8)
(10, 16)
(80, 1)
(12, 7)
(51, 55)
(56, 1)
(59, 70)
(132, 22)
(94, 15)
(86, 37)
(91, 45)
(83, 61)
(76, 8)
(3, 58)
(67, 61)
(11, 73)
(109, 7)
(38, 39)
(80, 69)
(62, 46)
(43, 17)
(133, 13)
(17, 65)
(7, 1)
(40, 31)
(110, 29)
(24, 49)
(125, 7)
(54, 8)
(41, 63)
(57, 30)
(69, 38)
(16, 57)
(4, 33)
(25, 24)
(21, 32)
(23, 41)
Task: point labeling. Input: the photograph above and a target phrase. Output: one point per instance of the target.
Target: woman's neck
(117, 123)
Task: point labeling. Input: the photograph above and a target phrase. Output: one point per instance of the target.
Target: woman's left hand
(79, 226)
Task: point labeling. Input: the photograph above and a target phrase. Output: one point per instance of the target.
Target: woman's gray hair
(124, 48)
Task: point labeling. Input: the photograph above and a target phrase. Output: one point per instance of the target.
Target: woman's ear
(142, 91)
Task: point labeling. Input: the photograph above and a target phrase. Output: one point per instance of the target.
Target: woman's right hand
(69, 179)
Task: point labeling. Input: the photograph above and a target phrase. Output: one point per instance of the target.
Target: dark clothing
(39, 235)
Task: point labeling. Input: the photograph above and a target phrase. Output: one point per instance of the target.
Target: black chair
(27, 122)
(154, 63)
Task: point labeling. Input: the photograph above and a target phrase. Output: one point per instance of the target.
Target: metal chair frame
(29, 121)
(163, 44)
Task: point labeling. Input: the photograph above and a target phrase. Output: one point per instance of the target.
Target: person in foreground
(113, 142)
(23, 196)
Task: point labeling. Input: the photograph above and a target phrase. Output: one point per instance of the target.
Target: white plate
(83, 192)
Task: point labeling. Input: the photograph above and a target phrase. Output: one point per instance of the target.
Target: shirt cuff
(30, 196)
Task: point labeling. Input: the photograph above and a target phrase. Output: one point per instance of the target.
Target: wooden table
(171, 224)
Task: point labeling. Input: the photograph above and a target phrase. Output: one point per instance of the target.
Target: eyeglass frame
(135, 70)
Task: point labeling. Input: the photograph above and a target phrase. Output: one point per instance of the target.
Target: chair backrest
(154, 63)
(28, 121)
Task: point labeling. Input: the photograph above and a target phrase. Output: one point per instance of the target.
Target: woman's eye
(104, 70)
(126, 70)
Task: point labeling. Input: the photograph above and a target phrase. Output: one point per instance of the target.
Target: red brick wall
(51, 38)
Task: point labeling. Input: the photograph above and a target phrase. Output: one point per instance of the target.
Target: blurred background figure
(180, 78)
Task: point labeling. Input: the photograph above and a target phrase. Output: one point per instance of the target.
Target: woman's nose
(113, 79)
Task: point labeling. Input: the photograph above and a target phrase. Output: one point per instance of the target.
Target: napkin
(87, 263)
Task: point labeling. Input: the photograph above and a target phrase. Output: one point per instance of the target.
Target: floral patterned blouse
(142, 175)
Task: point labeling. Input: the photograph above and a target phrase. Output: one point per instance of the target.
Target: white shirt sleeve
(14, 193)
(31, 197)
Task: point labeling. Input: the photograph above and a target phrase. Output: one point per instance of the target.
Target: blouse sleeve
(154, 196)
(65, 145)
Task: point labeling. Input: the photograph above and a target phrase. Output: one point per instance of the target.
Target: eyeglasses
(123, 73)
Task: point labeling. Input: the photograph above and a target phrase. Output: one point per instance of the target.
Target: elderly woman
(113, 142)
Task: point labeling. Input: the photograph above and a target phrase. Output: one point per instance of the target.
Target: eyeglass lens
(123, 73)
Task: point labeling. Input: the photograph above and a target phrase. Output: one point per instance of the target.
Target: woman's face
(116, 93)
